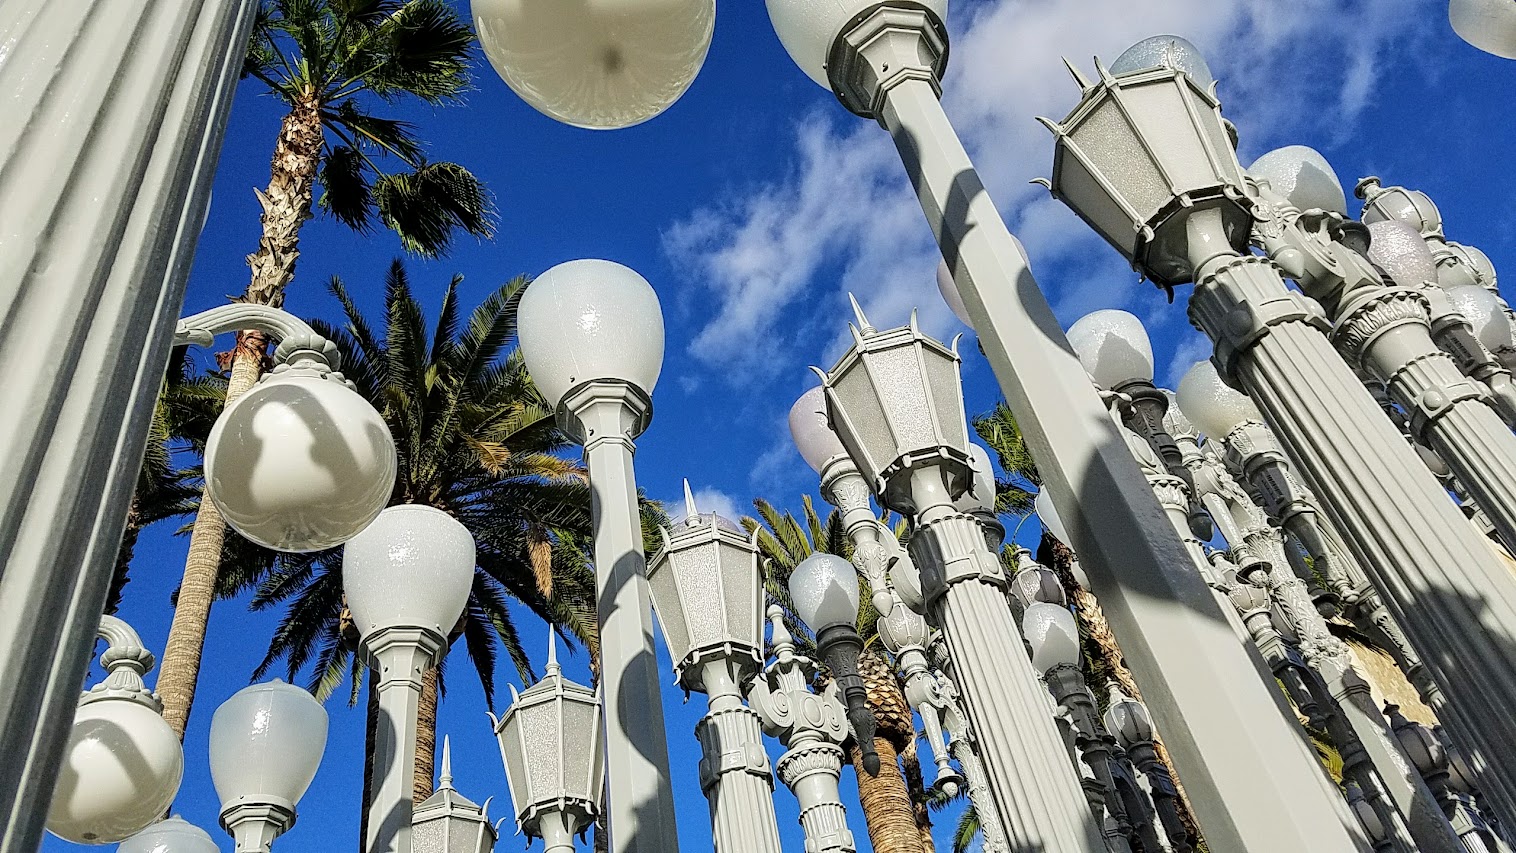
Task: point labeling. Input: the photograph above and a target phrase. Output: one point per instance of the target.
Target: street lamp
(824, 589)
(1490, 324)
(592, 336)
(594, 64)
(1129, 721)
(171, 835)
(707, 590)
(447, 821)
(266, 744)
(407, 578)
(122, 766)
(1489, 25)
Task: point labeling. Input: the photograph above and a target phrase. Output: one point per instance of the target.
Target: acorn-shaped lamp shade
(824, 588)
(1303, 177)
(1165, 52)
(1214, 406)
(1053, 635)
(1114, 348)
(1483, 311)
(809, 28)
(174, 835)
(1489, 25)
(1402, 252)
(266, 744)
(1043, 505)
(412, 568)
(811, 430)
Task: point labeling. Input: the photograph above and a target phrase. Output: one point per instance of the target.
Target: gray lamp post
(266, 745)
(896, 403)
(592, 336)
(1430, 758)
(552, 744)
(407, 579)
(1128, 720)
(447, 821)
(707, 590)
(1181, 213)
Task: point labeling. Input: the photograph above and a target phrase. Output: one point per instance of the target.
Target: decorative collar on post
(449, 822)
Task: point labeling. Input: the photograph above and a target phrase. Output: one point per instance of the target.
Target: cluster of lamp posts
(1382, 382)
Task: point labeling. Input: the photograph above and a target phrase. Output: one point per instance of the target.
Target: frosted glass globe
(598, 64)
(1165, 52)
(984, 478)
(824, 589)
(1053, 635)
(412, 568)
(811, 431)
(1114, 348)
(1213, 405)
(1303, 177)
(1402, 252)
(809, 28)
(299, 463)
(1489, 25)
(267, 741)
(174, 835)
(1128, 719)
(950, 295)
(1483, 311)
(1043, 504)
(590, 320)
(120, 772)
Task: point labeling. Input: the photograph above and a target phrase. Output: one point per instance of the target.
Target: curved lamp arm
(297, 340)
(125, 661)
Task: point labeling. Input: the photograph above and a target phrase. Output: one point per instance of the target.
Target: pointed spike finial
(1045, 183)
(1084, 82)
(445, 780)
(863, 321)
(691, 512)
(914, 325)
(552, 669)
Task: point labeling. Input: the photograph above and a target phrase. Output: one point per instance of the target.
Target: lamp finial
(445, 781)
(691, 512)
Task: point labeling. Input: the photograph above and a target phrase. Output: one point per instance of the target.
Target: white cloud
(707, 500)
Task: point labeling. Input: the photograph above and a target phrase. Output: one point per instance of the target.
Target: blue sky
(755, 205)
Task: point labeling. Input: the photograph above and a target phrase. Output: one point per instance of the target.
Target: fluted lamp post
(592, 336)
(407, 579)
(552, 744)
(266, 745)
(707, 590)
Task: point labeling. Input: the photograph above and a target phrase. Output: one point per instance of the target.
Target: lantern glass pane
(1161, 116)
(947, 395)
(899, 376)
(464, 838)
(515, 764)
(580, 724)
(740, 589)
(1221, 143)
(663, 585)
(1115, 151)
(539, 729)
(428, 838)
(865, 414)
(700, 587)
(1087, 197)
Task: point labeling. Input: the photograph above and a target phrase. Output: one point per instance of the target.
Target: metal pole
(734, 772)
(114, 119)
(556, 835)
(402, 656)
(641, 806)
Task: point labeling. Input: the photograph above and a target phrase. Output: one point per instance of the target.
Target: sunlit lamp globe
(174, 835)
(1043, 505)
(1165, 52)
(599, 64)
(590, 320)
(1489, 25)
(811, 430)
(950, 294)
(299, 463)
(1483, 311)
(824, 589)
(1053, 635)
(809, 28)
(1114, 348)
(1401, 252)
(1214, 406)
(983, 493)
(120, 772)
(1127, 719)
(412, 568)
(266, 743)
(1303, 177)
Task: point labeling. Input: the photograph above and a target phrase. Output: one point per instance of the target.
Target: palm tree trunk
(887, 808)
(286, 207)
(915, 784)
(370, 732)
(426, 739)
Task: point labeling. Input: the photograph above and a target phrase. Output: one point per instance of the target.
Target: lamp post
(552, 744)
(707, 590)
(407, 578)
(592, 335)
(1429, 757)
(447, 821)
(171, 835)
(1128, 720)
(266, 744)
(1443, 584)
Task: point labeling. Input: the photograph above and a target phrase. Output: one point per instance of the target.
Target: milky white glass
(1401, 251)
(1215, 407)
(1043, 505)
(1114, 348)
(1165, 52)
(300, 463)
(812, 433)
(950, 294)
(120, 772)
(174, 835)
(1489, 25)
(412, 568)
(1482, 310)
(589, 320)
(599, 64)
(1303, 176)
(984, 477)
(1052, 634)
(266, 743)
(824, 588)
(808, 28)
(1128, 720)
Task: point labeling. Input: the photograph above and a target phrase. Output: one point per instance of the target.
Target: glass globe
(299, 463)
(1213, 405)
(1489, 25)
(1114, 348)
(589, 320)
(120, 772)
(1053, 635)
(1303, 177)
(1127, 719)
(267, 741)
(1165, 52)
(950, 294)
(1483, 311)
(812, 431)
(983, 494)
(413, 568)
(598, 64)
(809, 28)
(1402, 252)
(1466, 265)
(824, 588)
(174, 835)
(1043, 505)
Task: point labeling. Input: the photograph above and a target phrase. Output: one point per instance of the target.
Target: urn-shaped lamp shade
(553, 749)
(1035, 582)
(1053, 635)
(824, 588)
(707, 591)
(1043, 504)
(983, 495)
(266, 744)
(1413, 207)
(1489, 25)
(1114, 348)
(120, 772)
(299, 463)
(412, 568)
(598, 64)
(1402, 252)
(1214, 406)
(809, 28)
(174, 835)
(1165, 52)
(590, 320)
(950, 294)
(812, 430)
(1483, 311)
(1128, 719)
(1303, 177)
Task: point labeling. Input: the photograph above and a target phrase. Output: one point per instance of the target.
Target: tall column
(114, 118)
(401, 656)
(734, 769)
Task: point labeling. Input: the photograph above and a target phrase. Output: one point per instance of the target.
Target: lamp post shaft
(734, 772)
(1196, 676)
(114, 120)
(557, 837)
(403, 656)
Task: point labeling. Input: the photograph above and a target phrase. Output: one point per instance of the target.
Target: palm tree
(330, 61)
(895, 824)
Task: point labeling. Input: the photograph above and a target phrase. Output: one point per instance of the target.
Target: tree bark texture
(426, 738)
(886, 802)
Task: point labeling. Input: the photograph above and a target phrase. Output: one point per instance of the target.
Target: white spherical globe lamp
(1114, 348)
(120, 772)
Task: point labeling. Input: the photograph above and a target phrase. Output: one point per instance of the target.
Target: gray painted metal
(401, 658)
(734, 772)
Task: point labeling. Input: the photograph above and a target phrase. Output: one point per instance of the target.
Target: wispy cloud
(706, 500)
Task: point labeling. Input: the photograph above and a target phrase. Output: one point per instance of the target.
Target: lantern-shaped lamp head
(824, 588)
(1401, 251)
(412, 568)
(896, 403)
(1034, 582)
(173, 835)
(1145, 150)
(1128, 719)
(811, 429)
(447, 821)
(266, 745)
(1303, 177)
(708, 593)
(1053, 635)
(1114, 348)
(1413, 207)
(554, 754)
(1216, 407)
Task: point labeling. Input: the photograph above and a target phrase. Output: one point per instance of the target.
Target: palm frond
(427, 206)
